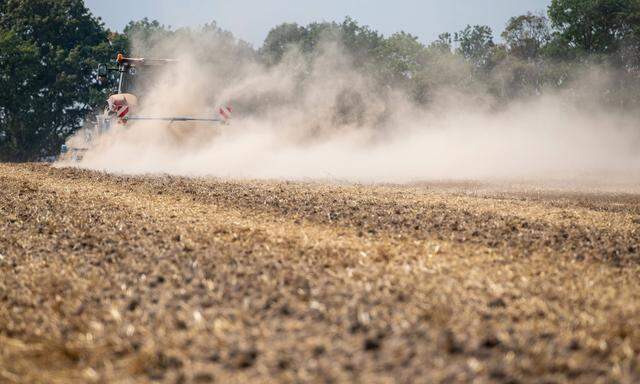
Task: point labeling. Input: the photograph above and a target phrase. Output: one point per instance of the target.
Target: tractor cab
(136, 76)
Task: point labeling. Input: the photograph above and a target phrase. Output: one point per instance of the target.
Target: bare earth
(138, 279)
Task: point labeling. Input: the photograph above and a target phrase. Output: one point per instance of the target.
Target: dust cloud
(325, 118)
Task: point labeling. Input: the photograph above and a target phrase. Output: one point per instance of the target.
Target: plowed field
(137, 279)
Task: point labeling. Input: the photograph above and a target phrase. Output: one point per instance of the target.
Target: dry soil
(137, 279)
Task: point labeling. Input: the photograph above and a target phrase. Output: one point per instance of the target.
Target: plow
(122, 107)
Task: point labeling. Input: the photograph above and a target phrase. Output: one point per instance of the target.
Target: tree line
(49, 51)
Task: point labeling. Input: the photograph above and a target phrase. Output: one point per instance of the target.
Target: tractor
(135, 77)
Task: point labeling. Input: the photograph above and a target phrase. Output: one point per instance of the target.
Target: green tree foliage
(142, 35)
(596, 26)
(280, 39)
(526, 35)
(605, 32)
(404, 55)
(476, 44)
(48, 52)
(443, 44)
(361, 42)
(520, 70)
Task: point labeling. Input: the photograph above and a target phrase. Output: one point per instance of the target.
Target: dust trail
(323, 118)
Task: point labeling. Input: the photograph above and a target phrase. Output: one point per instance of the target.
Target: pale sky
(251, 20)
